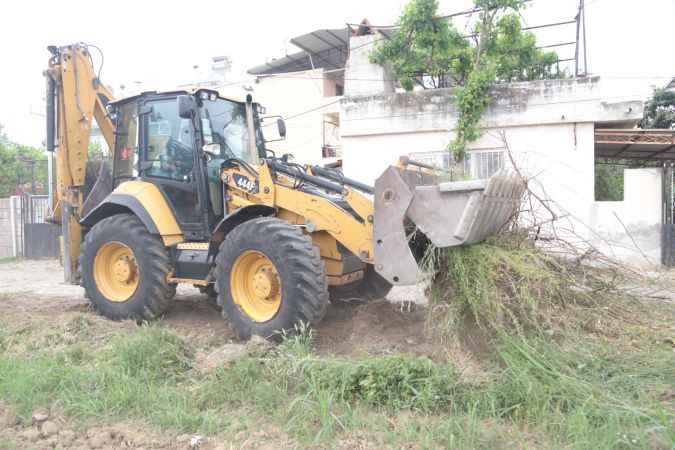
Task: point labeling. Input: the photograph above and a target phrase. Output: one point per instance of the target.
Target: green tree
(15, 167)
(96, 151)
(660, 110)
(425, 45)
(608, 181)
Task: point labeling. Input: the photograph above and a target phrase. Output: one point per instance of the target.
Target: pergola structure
(635, 144)
(646, 148)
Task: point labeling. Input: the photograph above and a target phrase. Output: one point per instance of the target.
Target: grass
(569, 365)
(581, 397)
(507, 285)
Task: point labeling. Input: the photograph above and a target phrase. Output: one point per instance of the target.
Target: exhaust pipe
(51, 112)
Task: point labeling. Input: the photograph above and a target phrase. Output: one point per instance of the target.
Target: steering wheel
(181, 155)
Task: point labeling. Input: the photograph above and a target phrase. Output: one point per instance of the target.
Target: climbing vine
(429, 52)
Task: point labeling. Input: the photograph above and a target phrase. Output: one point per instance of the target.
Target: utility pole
(32, 177)
(31, 164)
(581, 35)
(583, 10)
(576, 47)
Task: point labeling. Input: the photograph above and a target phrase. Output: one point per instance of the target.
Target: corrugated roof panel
(322, 40)
(328, 50)
(296, 62)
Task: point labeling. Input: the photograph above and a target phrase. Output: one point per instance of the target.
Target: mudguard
(145, 201)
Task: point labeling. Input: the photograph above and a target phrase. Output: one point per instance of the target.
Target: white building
(305, 88)
(339, 105)
(555, 130)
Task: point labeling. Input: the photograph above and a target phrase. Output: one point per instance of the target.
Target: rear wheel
(270, 278)
(125, 269)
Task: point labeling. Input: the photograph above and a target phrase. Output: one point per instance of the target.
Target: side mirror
(281, 125)
(186, 106)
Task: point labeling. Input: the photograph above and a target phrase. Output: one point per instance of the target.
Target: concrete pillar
(361, 76)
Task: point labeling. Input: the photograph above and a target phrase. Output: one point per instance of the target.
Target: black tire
(371, 287)
(209, 291)
(304, 291)
(153, 295)
(211, 295)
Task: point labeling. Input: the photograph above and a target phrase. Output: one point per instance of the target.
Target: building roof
(321, 49)
(638, 144)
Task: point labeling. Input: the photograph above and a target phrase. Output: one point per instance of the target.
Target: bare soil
(56, 432)
(34, 290)
(33, 297)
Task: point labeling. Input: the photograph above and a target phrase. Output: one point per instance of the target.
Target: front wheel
(125, 269)
(270, 278)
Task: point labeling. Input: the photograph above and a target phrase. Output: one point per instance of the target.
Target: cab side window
(126, 144)
(169, 142)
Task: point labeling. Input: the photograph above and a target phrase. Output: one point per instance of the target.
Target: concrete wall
(549, 127)
(362, 76)
(7, 247)
(640, 213)
(550, 119)
(308, 95)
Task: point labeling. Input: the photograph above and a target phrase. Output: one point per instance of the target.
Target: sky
(156, 45)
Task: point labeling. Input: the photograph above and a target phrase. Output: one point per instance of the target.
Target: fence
(570, 36)
(24, 231)
(40, 239)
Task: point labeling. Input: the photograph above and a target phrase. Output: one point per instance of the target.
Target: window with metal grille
(482, 164)
(477, 164)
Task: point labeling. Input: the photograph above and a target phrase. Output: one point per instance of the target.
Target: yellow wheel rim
(116, 272)
(256, 286)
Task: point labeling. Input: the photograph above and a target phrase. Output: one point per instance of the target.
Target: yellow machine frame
(74, 78)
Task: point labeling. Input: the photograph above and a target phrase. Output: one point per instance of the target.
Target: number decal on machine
(245, 183)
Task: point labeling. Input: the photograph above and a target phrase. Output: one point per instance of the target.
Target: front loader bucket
(448, 213)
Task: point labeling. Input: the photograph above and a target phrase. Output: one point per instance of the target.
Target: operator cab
(179, 141)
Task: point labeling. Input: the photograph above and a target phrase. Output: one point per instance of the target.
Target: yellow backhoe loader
(192, 195)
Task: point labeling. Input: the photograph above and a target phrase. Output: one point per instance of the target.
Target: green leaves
(427, 50)
(660, 110)
(424, 45)
(516, 55)
(472, 101)
(13, 171)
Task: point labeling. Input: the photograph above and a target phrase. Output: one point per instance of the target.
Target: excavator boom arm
(75, 97)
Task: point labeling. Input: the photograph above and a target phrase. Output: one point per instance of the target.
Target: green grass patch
(584, 397)
(588, 395)
(508, 285)
(571, 363)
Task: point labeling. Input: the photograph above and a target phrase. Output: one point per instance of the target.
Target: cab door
(169, 160)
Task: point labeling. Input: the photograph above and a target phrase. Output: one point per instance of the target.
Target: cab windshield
(225, 130)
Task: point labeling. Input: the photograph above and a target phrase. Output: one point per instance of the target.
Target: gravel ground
(44, 278)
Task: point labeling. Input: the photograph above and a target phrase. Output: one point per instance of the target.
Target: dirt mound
(49, 431)
(377, 327)
(198, 320)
